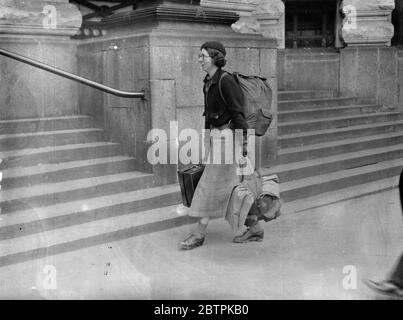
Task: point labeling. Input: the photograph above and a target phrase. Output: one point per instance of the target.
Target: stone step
(75, 212)
(45, 124)
(336, 122)
(61, 198)
(303, 169)
(308, 114)
(39, 219)
(304, 94)
(330, 182)
(57, 172)
(55, 154)
(70, 238)
(49, 138)
(326, 149)
(347, 193)
(88, 234)
(60, 214)
(321, 102)
(71, 190)
(326, 135)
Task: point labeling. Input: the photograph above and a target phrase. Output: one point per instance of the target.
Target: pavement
(321, 253)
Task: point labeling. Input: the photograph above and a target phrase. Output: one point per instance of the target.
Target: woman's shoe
(191, 242)
(249, 236)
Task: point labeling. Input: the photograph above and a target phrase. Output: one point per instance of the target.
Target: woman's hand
(245, 148)
(245, 166)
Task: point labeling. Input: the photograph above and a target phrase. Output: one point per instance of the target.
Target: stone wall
(28, 92)
(308, 69)
(122, 64)
(39, 30)
(371, 74)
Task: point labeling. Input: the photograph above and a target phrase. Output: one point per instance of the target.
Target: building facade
(75, 170)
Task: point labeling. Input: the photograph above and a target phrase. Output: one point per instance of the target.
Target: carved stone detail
(264, 17)
(367, 22)
(241, 7)
(271, 18)
(40, 17)
(168, 12)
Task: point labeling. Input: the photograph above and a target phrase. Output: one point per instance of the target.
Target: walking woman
(214, 189)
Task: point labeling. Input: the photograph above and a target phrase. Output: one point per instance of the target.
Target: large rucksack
(257, 96)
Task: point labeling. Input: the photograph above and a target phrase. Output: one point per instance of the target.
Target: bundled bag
(255, 198)
(267, 206)
(242, 199)
(257, 102)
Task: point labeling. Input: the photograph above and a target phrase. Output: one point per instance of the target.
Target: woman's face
(206, 61)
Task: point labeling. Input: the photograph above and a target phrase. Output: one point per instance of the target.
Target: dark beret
(214, 45)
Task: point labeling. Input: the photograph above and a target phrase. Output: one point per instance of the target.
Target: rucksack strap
(219, 86)
(235, 75)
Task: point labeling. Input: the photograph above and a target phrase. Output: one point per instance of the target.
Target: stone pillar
(156, 48)
(264, 17)
(271, 18)
(367, 22)
(368, 65)
(40, 30)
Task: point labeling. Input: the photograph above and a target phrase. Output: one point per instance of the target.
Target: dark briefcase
(188, 179)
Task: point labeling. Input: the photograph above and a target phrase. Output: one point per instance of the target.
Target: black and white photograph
(222, 151)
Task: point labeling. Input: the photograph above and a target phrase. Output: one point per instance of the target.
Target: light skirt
(215, 186)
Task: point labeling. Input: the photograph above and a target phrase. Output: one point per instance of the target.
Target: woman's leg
(200, 230)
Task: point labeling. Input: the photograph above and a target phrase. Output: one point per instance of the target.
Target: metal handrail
(71, 76)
